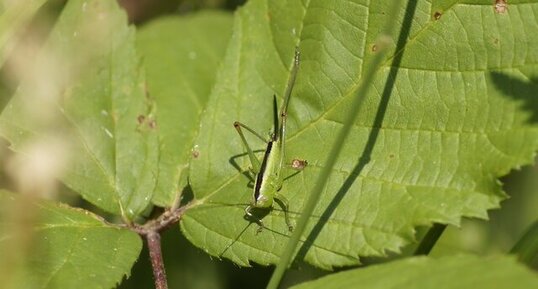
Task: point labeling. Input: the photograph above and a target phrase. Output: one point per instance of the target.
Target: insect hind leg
(284, 204)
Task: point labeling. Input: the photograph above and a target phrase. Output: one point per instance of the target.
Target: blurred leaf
(14, 15)
(69, 248)
(464, 271)
(87, 89)
(527, 247)
(181, 56)
(428, 146)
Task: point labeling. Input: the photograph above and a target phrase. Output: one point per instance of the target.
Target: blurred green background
(190, 267)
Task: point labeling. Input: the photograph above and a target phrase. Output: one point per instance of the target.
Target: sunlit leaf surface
(450, 111)
(448, 272)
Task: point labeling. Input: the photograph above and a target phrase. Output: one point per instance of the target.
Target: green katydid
(268, 176)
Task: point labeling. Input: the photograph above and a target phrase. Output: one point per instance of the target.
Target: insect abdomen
(265, 187)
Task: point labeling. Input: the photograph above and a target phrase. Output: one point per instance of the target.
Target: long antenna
(291, 81)
(287, 94)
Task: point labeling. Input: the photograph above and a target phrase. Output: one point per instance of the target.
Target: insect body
(268, 176)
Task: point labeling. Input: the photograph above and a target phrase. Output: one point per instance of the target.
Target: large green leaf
(462, 271)
(61, 247)
(429, 143)
(181, 55)
(87, 88)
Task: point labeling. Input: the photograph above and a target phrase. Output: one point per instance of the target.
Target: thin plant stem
(151, 231)
(156, 257)
(429, 240)
(362, 91)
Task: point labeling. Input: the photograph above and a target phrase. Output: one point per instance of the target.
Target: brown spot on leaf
(152, 123)
(195, 154)
(437, 15)
(501, 6)
(144, 121)
(374, 48)
(298, 164)
(141, 119)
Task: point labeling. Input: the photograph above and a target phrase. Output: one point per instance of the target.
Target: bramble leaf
(462, 271)
(87, 90)
(431, 139)
(47, 245)
(181, 56)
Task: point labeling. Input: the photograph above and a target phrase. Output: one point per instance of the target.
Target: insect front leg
(255, 163)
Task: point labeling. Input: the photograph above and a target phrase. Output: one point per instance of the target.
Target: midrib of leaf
(115, 129)
(220, 187)
(191, 94)
(71, 224)
(70, 253)
(62, 226)
(85, 145)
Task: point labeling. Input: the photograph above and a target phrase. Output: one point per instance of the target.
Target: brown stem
(155, 254)
(151, 231)
(164, 221)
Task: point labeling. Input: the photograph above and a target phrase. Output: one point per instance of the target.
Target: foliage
(421, 272)
(74, 249)
(427, 147)
(134, 119)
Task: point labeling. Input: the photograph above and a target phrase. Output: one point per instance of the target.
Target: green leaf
(462, 271)
(55, 246)
(87, 90)
(431, 139)
(181, 56)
